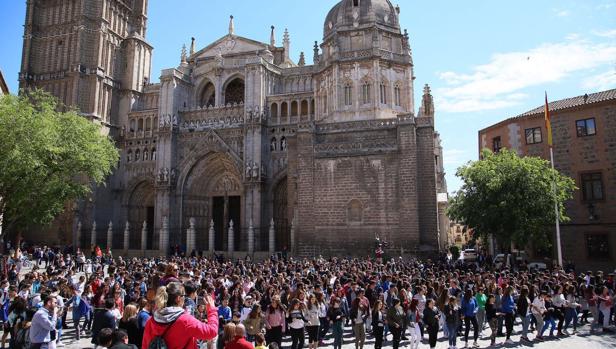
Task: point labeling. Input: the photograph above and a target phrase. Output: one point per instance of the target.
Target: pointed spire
(192, 46)
(302, 60)
(183, 56)
(273, 37)
(315, 58)
(427, 103)
(231, 26)
(286, 41)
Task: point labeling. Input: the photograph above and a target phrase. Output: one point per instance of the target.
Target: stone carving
(166, 176)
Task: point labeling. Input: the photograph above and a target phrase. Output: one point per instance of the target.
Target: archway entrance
(208, 96)
(281, 220)
(212, 191)
(141, 208)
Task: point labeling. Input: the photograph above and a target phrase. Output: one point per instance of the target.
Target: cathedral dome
(349, 14)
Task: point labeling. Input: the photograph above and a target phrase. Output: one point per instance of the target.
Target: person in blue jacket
(81, 309)
(508, 308)
(469, 310)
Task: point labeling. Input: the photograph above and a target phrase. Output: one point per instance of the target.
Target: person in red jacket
(239, 342)
(180, 329)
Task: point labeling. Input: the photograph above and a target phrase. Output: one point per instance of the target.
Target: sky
(485, 60)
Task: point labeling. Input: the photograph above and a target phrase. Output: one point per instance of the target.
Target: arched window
(273, 144)
(234, 92)
(348, 94)
(294, 108)
(148, 124)
(283, 144)
(153, 154)
(155, 126)
(354, 211)
(208, 95)
(146, 155)
(274, 110)
(397, 96)
(129, 156)
(140, 125)
(137, 155)
(383, 93)
(312, 106)
(304, 108)
(284, 110)
(132, 126)
(366, 96)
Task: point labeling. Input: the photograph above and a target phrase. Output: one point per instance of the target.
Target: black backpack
(158, 342)
(21, 340)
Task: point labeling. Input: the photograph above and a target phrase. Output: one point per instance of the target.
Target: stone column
(163, 242)
(292, 237)
(93, 235)
(251, 237)
(272, 237)
(231, 238)
(78, 235)
(144, 236)
(126, 236)
(190, 237)
(110, 235)
(211, 237)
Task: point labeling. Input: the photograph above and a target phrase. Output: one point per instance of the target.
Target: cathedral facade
(239, 148)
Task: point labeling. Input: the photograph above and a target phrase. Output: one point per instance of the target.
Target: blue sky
(485, 60)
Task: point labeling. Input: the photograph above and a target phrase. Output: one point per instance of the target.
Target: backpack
(4, 312)
(158, 342)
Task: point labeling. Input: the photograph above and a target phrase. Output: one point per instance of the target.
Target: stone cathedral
(239, 149)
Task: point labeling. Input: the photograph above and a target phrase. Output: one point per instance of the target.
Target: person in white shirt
(538, 309)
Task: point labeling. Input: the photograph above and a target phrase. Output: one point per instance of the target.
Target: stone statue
(173, 174)
(248, 173)
(165, 174)
(283, 144)
(255, 170)
(175, 119)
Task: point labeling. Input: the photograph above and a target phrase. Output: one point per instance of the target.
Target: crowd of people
(199, 302)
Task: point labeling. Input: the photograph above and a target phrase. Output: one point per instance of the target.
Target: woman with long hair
(178, 329)
(128, 323)
(312, 317)
(323, 323)
(414, 317)
(253, 322)
(378, 324)
(297, 323)
(275, 321)
(469, 310)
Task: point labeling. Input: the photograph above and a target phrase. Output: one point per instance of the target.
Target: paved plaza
(584, 340)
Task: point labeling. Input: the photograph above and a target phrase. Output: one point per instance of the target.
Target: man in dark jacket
(120, 340)
(103, 318)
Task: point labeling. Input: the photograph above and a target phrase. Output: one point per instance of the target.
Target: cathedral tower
(85, 52)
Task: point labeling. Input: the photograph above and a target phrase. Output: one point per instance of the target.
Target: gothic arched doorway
(141, 208)
(208, 96)
(212, 191)
(281, 220)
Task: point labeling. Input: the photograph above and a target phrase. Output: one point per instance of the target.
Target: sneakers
(475, 345)
(509, 341)
(565, 332)
(465, 344)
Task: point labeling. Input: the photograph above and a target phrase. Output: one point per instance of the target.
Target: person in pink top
(275, 322)
(179, 329)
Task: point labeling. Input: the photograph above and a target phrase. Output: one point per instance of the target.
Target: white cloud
(610, 34)
(500, 83)
(562, 13)
(601, 82)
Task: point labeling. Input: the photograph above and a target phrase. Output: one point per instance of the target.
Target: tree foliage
(511, 198)
(47, 158)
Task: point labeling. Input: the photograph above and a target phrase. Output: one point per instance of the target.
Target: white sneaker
(509, 341)
(59, 344)
(475, 345)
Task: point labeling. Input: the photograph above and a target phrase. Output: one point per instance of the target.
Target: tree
(510, 198)
(47, 158)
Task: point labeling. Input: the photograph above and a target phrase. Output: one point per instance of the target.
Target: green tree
(510, 198)
(47, 158)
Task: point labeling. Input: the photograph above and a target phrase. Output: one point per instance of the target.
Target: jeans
(539, 320)
(481, 318)
(571, 316)
(274, 335)
(606, 316)
(548, 322)
(337, 331)
(509, 324)
(396, 332)
(452, 330)
(297, 338)
(525, 323)
(323, 328)
(467, 321)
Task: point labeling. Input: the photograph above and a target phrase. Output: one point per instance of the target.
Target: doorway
(224, 210)
(150, 226)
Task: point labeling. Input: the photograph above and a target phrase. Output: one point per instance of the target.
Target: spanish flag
(548, 123)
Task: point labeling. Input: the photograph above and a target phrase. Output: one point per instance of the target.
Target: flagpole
(557, 213)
